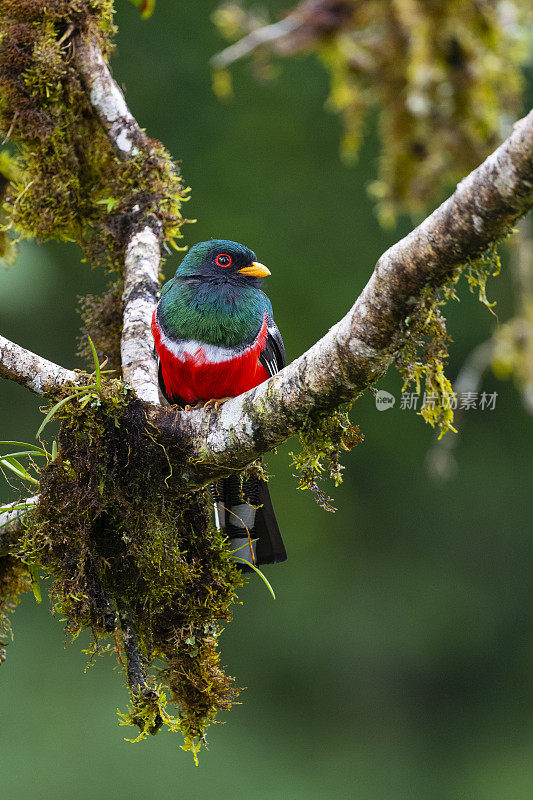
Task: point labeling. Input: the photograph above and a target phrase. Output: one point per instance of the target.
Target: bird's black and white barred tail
(243, 510)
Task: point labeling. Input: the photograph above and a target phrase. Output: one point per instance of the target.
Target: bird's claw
(215, 402)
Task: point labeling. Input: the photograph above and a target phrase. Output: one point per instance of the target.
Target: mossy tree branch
(143, 251)
(357, 350)
(107, 99)
(119, 524)
(30, 370)
(11, 523)
(401, 60)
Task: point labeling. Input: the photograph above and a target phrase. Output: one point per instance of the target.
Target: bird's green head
(215, 295)
(222, 261)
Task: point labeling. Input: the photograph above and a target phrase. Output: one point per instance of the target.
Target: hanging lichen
(423, 354)
(14, 580)
(322, 441)
(422, 345)
(9, 174)
(444, 78)
(480, 269)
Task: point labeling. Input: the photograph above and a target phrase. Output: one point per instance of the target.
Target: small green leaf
(96, 363)
(35, 586)
(54, 450)
(21, 507)
(33, 447)
(24, 453)
(53, 411)
(111, 203)
(258, 571)
(17, 468)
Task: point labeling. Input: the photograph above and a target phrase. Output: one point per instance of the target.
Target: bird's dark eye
(223, 260)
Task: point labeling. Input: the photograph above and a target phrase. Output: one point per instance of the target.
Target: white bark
(30, 370)
(11, 523)
(107, 99)
(141, 285)
(143, 256)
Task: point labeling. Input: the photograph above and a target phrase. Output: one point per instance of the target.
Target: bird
(215, 337)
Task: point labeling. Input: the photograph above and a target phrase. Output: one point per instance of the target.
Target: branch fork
(349, 359)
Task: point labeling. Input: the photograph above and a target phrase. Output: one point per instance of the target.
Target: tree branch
(141, 285)
(107, 99)
(143, 255)
(11, 523)
(299, 29)
(358, 349)
(269, 34)
(30, 370)
(348, 359)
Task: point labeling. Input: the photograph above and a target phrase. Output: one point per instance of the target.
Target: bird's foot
(216, 402)
(195, 407)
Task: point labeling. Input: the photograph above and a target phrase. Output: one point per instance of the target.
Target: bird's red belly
(194, 379)
(194, 382)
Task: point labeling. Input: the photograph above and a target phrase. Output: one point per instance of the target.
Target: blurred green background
(397, 660)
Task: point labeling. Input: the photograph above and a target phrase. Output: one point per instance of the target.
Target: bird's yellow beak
(255, 270)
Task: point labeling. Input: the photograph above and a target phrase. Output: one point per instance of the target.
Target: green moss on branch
(72, 186)
(130, 560)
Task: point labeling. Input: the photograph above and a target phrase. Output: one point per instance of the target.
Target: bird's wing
(273, 355)
(163, 397)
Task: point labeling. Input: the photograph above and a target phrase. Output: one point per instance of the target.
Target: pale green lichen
(423, 355)
(423, 343)
(479, 270)
(10, 173)
(14, 581)
(322, 441)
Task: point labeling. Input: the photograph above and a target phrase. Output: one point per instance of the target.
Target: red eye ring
(219, 258)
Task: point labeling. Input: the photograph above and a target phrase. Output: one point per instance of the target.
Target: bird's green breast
(221, 314)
